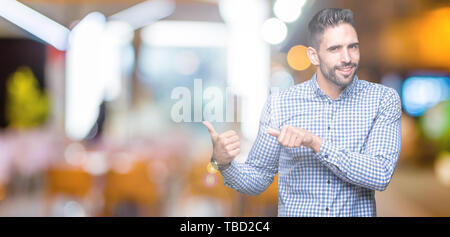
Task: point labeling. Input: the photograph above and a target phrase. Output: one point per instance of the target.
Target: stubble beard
(330, 74)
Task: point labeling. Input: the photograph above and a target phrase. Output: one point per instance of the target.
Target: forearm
(248, 179)
(372, 171)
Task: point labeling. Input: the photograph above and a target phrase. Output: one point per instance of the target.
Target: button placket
(328, 199)
(330, 118)
(333, 134)
(332, 193)
(330, 122)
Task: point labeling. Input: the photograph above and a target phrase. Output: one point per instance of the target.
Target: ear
(313, 55)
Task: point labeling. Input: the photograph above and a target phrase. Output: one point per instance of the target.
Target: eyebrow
(354, 44)
(340, 46)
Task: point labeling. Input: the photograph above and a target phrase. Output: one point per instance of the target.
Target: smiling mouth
(345, 70)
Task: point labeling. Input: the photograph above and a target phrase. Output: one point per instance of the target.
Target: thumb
(210, 128)
(273, 132)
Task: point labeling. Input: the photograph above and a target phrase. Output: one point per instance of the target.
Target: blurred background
(101, 101)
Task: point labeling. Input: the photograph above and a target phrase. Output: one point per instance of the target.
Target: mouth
(346, 71)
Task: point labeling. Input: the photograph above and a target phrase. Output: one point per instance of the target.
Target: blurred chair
(132, 193)
(67, 181)
(205, 184)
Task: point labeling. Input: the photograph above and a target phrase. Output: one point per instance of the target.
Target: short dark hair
(328, 17)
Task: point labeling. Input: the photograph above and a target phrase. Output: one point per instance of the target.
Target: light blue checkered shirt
(361, 145)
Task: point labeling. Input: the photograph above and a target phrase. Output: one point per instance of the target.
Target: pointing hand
(293, 137)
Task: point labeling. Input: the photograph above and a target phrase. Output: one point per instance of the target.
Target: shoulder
(386, 97)
(294, 92)
(381, 92)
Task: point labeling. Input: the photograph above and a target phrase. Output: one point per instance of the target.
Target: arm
(257, 173)
(374, 166)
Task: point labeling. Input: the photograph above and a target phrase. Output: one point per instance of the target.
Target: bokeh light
(421, 93)
(442, 168)
(297, 58)
(210, 180)
(288, 10)
(123, 163)
(73, 209)
(436, 125)
(75, 154)
(96, 163)
(274, 31)
(187, 62)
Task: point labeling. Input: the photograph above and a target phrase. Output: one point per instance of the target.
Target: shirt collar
(351, 89)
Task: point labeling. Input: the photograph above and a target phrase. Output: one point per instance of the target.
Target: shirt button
(329, 127)
(328, 181)
(326, 209)
(326, 156)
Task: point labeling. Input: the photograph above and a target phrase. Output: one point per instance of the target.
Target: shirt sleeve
(258, 171)
(373, 167)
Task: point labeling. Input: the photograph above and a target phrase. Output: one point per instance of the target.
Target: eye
(333, 49)
(354, 46)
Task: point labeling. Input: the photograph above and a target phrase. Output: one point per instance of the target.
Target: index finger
(273, 132)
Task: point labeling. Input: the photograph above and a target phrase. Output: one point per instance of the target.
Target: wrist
(219, 166)
(317, 143)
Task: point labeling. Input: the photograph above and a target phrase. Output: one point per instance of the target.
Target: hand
(226, 146)
(291, 136)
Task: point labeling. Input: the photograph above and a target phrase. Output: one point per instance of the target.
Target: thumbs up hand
(226, 146)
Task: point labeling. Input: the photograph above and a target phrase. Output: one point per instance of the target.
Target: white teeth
(346, 69)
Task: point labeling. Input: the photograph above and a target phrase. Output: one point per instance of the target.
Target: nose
(345, 56)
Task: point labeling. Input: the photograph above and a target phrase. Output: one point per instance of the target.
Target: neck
(328, 87)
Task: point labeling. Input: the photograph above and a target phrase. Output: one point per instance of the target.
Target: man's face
(339, 54)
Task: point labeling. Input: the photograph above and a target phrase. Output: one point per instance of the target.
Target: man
(334, 140)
